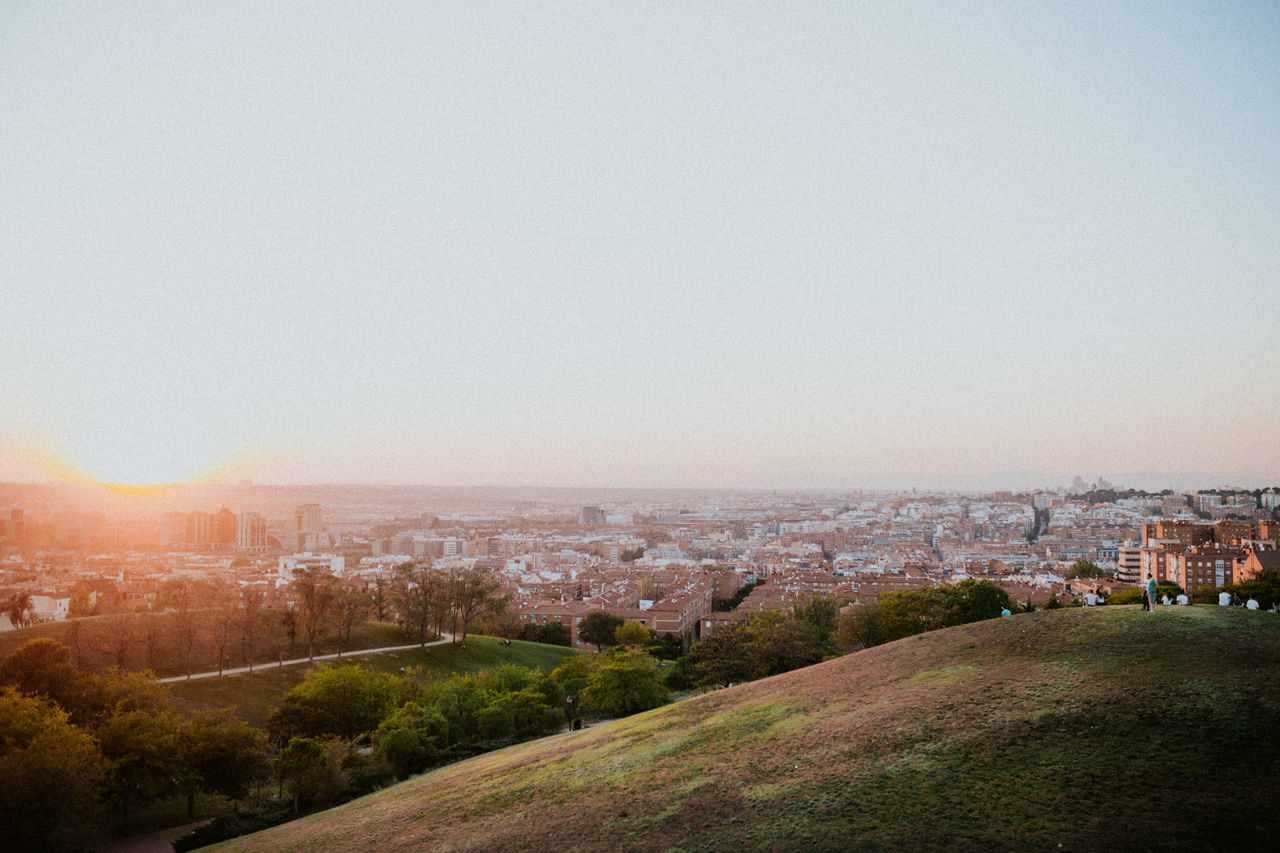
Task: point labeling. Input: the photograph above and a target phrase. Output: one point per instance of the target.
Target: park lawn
(83, 636)
(254, 696)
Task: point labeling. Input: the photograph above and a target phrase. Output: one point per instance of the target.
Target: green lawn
(253, 696)
(89, 637)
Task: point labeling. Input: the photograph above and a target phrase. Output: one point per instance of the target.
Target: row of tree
(76, 746)
(199, 625)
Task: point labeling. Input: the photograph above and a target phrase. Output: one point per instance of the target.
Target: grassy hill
(1076, 729)
(254, 695)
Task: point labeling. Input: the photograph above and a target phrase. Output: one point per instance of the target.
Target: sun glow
(138, 465)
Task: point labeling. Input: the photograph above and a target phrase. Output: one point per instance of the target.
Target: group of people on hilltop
(1232, 599)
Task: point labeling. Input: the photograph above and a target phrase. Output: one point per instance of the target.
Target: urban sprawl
(663, 559)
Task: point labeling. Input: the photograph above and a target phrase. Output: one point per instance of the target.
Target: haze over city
(790, 245)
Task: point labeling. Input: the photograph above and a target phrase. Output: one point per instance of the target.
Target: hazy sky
(638, 244)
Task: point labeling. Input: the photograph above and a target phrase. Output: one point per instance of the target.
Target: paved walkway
(259, 667)
(160, 841)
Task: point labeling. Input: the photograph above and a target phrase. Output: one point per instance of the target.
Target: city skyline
(809, 246)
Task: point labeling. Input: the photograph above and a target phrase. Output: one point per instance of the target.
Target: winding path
(448, 638)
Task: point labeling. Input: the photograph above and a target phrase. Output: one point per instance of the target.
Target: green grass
(253, 696)
(1098, 728)
(87, 637)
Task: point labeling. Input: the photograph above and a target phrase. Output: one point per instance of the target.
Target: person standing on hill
(1151, 592)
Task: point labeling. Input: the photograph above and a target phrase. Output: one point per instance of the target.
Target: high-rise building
(199, 529)
(224, 528)
(251, 532)
(308, 527)
(590, 515)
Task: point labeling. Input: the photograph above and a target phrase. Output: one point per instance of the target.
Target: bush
(625, 681)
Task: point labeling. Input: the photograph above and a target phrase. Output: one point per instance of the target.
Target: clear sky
(638, 244)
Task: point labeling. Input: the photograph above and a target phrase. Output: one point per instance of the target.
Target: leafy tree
(411, 738)
(1053, 603)
(821, 613)
(42, 667)
(777, 644)
(722, 657)
(973, 600)
(311, 770)
(141, 753)
(625, 681)
(632, 634)
(863, 627)
(346, 701)
(221, 755)
(551, 633)
(50, 772)
(599, 629)
(1086, 570)
(572, 675)
(630, 555)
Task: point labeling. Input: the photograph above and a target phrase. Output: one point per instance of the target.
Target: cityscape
(614, 427)
(659, 558)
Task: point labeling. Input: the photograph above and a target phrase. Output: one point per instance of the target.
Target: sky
(629, 244)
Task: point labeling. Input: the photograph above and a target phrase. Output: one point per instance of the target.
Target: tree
(311, 769)
(314, 593)
(42, 667)
(599, 629)
(141, 753)
(572, 674)
(411, 738)
(721, 658)
(248, 618)
(380, 597)
(180, 596)
(777, 644)
(416, 593)
(632, 634)
(475, 591)
(973, 600)
(625, 681)
(1086, 570)
(346, 701)
(221, 755)
(821, 613)
(21, 609)
(50, 771)
(222, 621)
(352, 607)
(550, 633)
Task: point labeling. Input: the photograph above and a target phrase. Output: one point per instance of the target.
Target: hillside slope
(1075, 729)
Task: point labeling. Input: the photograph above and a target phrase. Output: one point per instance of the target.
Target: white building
(333, 563)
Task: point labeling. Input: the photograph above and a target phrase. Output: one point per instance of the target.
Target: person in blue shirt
(1151, 592)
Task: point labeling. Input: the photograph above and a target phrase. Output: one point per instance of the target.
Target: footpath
(448, 638)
